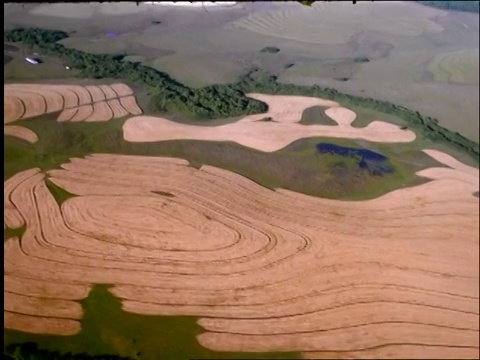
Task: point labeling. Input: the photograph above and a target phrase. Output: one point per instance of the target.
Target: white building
(32, 60)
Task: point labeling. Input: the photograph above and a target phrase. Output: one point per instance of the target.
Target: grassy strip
(315, 115)
(18, 232)
(60, 195)
(298, 167)
(107, 329)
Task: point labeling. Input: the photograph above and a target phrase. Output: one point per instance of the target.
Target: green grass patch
(18, 232)
(366, 115)
(60, 195)
(298, 167)
(51, 67)
(107, 329)
(315, 115)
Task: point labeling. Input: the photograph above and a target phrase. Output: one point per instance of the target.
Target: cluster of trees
(30, 351)
(270, 49)
(218, 101)
(470, 6)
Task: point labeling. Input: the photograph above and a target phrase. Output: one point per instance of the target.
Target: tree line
(219, 101)
(167, 94)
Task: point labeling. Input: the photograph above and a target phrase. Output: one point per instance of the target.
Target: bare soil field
(265, 270)
(79, 103)
(20, 132)
(286, 113)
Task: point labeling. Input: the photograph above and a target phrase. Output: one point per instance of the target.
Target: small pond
(375, 163)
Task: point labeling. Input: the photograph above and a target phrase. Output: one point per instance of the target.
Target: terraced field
(338, 23)
(76, 103)
(284, 272)
(264, 270)
(460, 67)
(20, 132)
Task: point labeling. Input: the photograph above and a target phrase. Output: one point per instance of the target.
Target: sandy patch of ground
(121, 89)
(108, 91)
(286, 111)
(130, 104)
(342, 116)
(117, 108)
(79, 103)
(67, 114)
(264, 270)
(20, 132)
(101, 112)
(96, 92)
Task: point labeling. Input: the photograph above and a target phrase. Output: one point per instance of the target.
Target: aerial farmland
(241, 180)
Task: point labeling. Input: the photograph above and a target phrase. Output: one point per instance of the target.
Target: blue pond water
(369, 160)
(111, 34)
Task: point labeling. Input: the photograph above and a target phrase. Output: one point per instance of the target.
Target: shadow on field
(107, 329)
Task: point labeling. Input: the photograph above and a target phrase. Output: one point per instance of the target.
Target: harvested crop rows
(286, 111)
(20, 132)
(23, 101)
(264, 270)
(337, 23)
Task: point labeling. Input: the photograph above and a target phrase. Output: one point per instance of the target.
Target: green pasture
(107, 329)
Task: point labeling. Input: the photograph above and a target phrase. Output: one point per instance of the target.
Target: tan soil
(13, 108)
(101, 112)
(40, 325)
(37, 306)
(130, 104)
(75, 101)
(121, 89)
(12, 217)
(118, 110)
(264, 270)
(96, 93)
(67, 114)
(84, 96)
(400, 351)
(83, 113)
(108, 91)
(35, 104)
(286, 111)
(71, 98)
(43, 289)
(20, 132)
(53, 98)
(342, 116)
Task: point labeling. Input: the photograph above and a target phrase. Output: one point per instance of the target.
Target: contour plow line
(23, 101)
(277, 273)
(20, 132)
